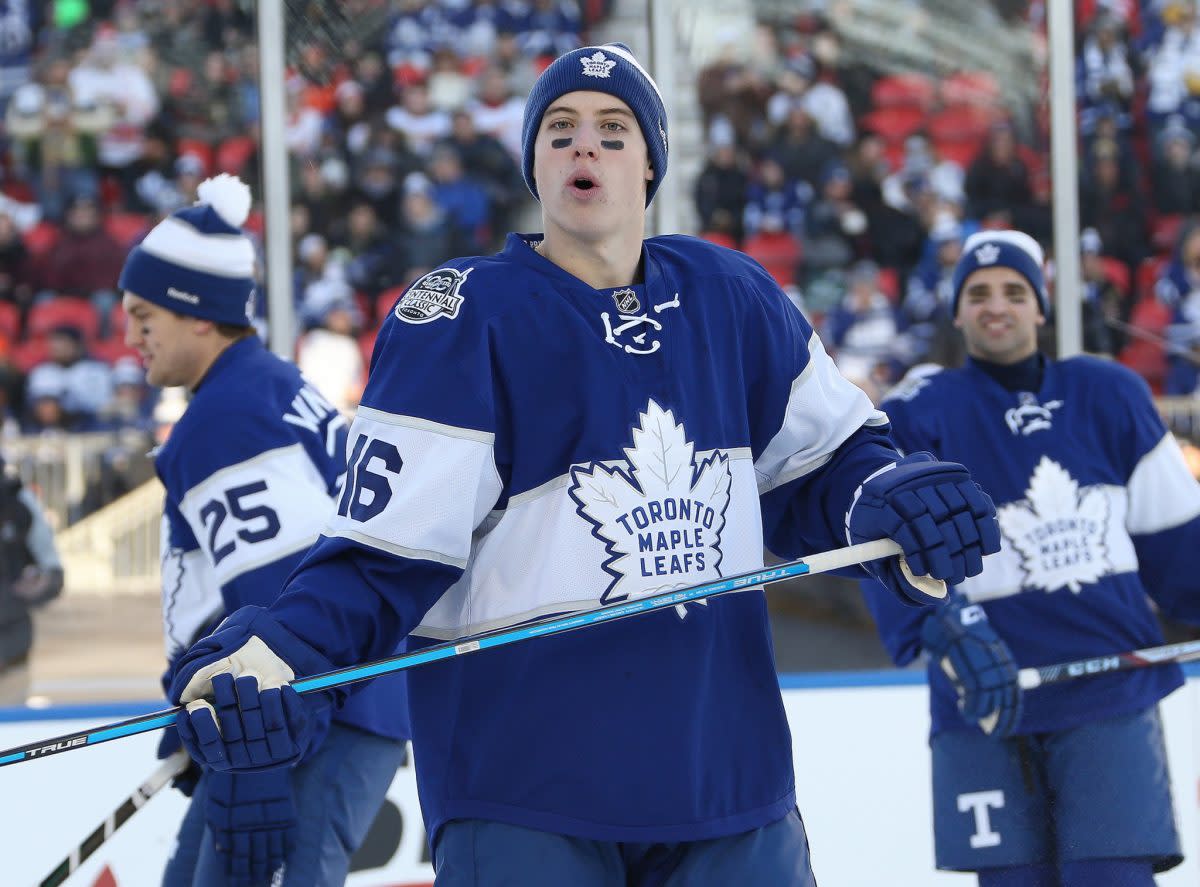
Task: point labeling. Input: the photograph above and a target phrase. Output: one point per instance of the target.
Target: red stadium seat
(63, 311)
(197, 148)
(1147, 275)
(1117, 273)
(778, 252)
(366, 344)
(386, 301)
(720, 238)
(27, 355)
(10, 321)
(41, 238)
(978, 87)
(903, 91)
(958, 151)
(234, 153)
(126, 228)
(893, 124)
(1164, 231)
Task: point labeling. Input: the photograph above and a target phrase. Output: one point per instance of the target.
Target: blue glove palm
(240, 713)
(943, 520)
(960, 639)
(251, 817)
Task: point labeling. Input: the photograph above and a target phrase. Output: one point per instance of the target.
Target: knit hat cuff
(189, 291)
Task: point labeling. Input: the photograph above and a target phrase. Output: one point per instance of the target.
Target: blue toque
(1009, 249)
(610, 68)
(198, 261)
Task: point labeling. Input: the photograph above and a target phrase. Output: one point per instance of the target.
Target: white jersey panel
(1057, 537)
(1162, 492)
(416, 488)
(823, 409)
(191, 596)
(586, 542)
(257, 511)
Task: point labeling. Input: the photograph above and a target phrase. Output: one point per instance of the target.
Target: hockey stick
(816, 563)
(1029, 678)
(168, 770)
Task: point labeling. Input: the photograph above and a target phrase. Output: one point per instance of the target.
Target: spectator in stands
(1173, 68)
(18, 271)
(85, 260)
(348, 126)
(329, 356)
(31, 575)
(1179, 290)
(464, 199)
(428, 236)
(863, 330)
(497, 110)
(322, 186)
(55, 139)
(416, 117)
(1103, 72)
(304, 125)
(131, 406)
(722, 187)
(203, 105)
(802, 151)
(1174, 173)
(105, 78)
(44, 411)
(826, 103)
(20, 25)
(370, 248)
(449, 87)
(551, 28)
(835, 229)
(1113, 204)
(775, 201)
(376, 81)
(998, 187)
(86, 384)
(927, 297)
(377, 183)
(1102, 301)
(489, 163)
(518, 70)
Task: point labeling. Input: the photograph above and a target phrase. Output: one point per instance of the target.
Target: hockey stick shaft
(168, 770)
(1030, 678)
(818, 563)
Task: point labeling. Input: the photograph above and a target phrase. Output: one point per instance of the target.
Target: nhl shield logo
(626, 301)
(434, 295)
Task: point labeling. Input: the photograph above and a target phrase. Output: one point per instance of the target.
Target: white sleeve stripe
(805, 442)
(398, 550)
(1162, 492)
(269, 557)
(201, 490)
(485, 437)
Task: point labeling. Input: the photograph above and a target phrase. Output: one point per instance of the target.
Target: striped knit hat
(610, 68)
(198, 261)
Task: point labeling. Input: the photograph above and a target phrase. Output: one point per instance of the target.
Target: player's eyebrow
(602, 112)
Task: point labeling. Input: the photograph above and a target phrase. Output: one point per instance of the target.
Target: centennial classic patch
(434, 295)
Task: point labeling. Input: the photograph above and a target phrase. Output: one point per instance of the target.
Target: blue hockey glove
(251, 817)
(960, 639)
(240, 713)
(943, 520)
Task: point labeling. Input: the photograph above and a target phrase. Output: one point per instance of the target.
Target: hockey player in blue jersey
(1066, 786)
(250, 471)
(584, 418)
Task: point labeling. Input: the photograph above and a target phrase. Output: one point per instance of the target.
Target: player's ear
(649, 172)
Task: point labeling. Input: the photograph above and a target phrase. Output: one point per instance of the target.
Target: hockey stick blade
(823, 562)
(1032, 677)
(168, 770)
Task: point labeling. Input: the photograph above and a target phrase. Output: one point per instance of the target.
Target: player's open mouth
(584, 184)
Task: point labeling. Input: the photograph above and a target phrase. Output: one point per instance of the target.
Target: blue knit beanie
(1009, 249)
(198, 261)
(610, 68)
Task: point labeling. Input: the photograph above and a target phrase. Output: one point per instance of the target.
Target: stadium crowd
(854, 187)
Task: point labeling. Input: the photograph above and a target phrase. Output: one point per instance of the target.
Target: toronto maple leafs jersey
(250, 472)
(1096, 509)
(528, 446)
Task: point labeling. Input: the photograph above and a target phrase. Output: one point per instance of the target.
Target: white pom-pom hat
(198, 261)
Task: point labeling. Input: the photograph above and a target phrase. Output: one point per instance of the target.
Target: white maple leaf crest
(661, 518)
(1058, 530)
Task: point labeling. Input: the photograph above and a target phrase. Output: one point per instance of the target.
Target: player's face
(171, 351)
(999, 315)
(591, 167)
